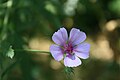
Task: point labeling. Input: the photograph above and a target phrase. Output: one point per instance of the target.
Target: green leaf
(10, 52)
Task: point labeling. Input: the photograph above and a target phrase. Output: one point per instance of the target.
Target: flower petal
(60, 37)
(82, 50)
(72, 62)
(56, 52)
(76, 36)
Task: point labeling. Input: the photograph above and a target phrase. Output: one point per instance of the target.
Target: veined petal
(82, 50)
(76, 36)
(60, 37)
(56, 52)
(72, 62)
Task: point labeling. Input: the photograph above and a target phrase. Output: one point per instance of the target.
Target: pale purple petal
(60, 37)
(82, 50)
(72, 62)
(76, 36)
(56, 52)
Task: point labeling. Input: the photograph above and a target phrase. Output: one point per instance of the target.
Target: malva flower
(70, 49)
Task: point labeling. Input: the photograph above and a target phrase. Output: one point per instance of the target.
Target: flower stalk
(30, 50)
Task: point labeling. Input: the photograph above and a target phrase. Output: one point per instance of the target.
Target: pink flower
(70, 49)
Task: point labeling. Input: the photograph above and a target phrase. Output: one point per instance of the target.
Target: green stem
(29, 50)
(8, 69)
(6, 19)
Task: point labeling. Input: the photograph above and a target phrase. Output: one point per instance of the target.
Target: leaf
(10, 52)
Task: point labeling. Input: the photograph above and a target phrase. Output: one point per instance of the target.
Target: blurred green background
(29, 24)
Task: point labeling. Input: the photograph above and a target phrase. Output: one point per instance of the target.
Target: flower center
(68, 48)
